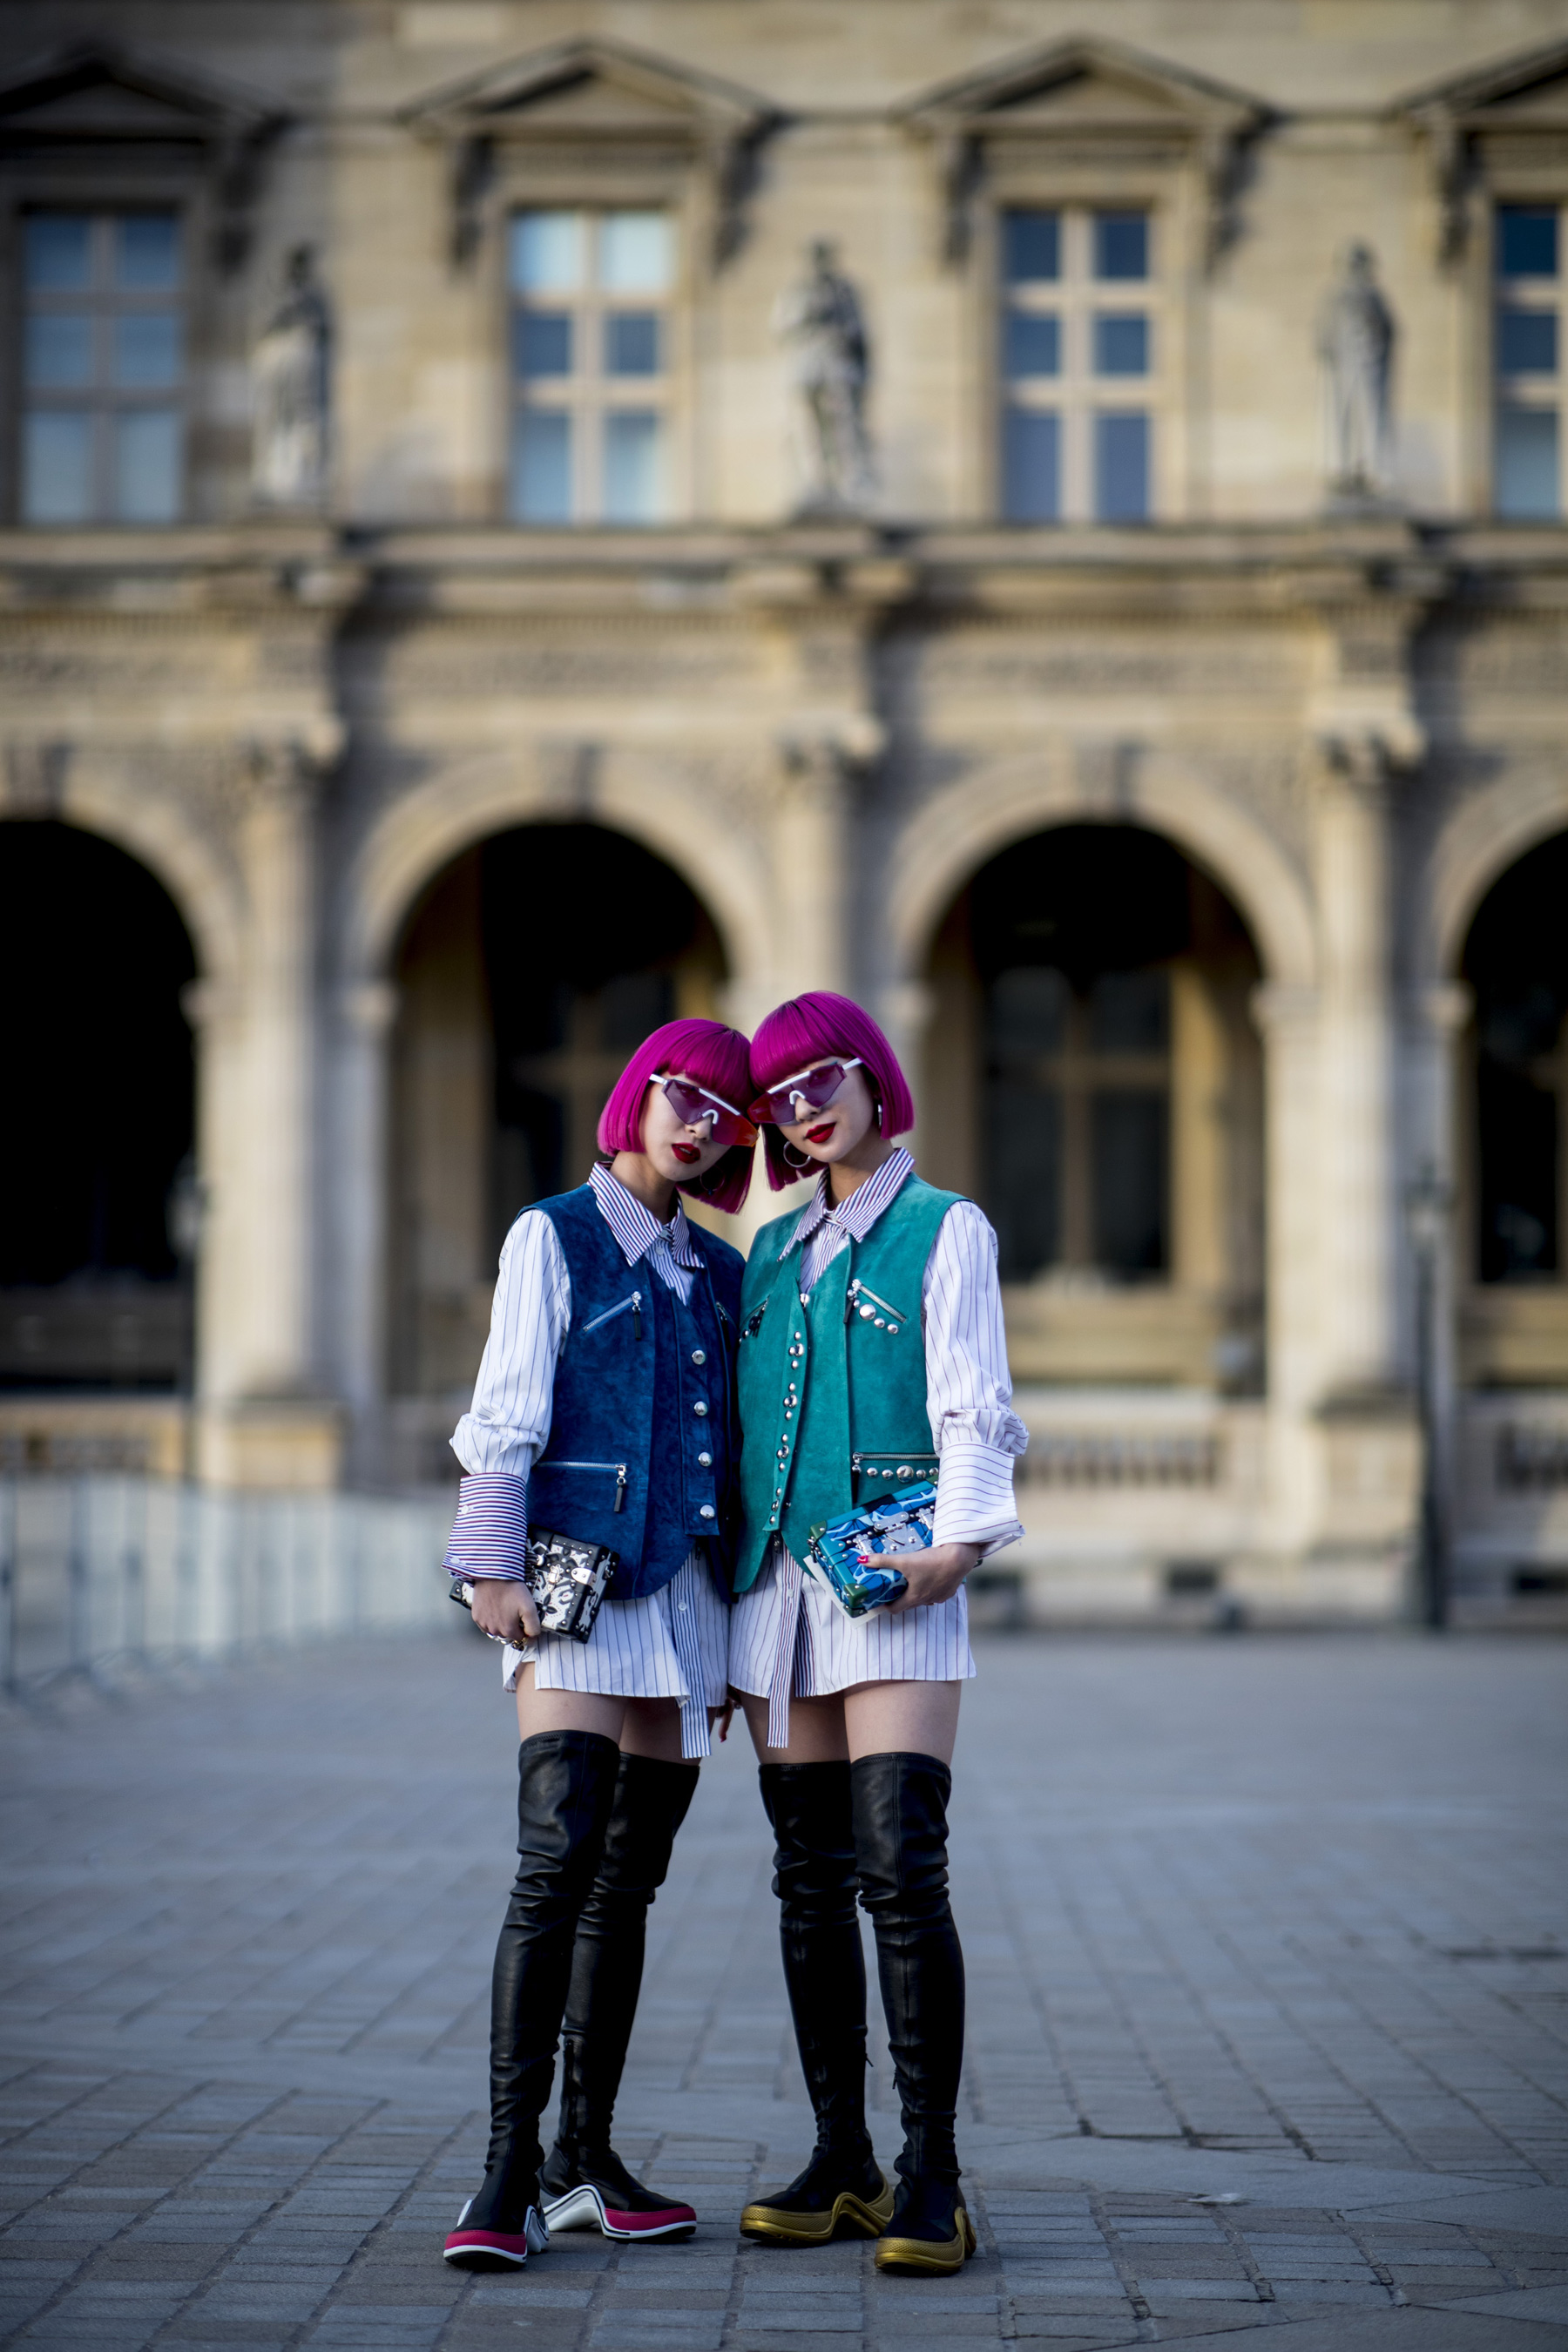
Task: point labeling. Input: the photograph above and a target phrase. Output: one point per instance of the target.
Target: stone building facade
(419, 575)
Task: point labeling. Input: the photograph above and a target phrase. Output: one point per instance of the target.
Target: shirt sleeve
(968, 1390)
(507, 1427)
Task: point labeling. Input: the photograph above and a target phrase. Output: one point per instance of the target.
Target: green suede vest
(833, 1393)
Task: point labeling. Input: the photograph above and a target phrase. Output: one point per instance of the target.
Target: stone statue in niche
(1355, 343)
(820, 323)
(290, 371)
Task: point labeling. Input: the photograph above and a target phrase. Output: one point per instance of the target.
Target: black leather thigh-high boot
(566, 1785)
(584, 2183)
(825, 1972)
(899, 1803)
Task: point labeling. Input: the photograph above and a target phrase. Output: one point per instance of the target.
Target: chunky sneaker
(591, 2189)
(496, 2250)
(928, 2230)
(837, 2191)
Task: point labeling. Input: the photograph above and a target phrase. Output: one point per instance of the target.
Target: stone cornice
(273, 574)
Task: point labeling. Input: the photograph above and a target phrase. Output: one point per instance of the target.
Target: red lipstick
(819, 1134)
(686, 1153)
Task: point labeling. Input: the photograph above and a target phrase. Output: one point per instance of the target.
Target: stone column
(266, 1423)
(812, 847)
(1357, 1060)
(1288, 1019)
(355, 1212)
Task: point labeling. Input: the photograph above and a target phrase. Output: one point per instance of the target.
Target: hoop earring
(804, 1160)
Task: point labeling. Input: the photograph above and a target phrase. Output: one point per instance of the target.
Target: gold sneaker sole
(921, 2254)
(867, 2216)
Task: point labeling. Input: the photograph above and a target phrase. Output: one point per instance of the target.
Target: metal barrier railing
(96, 1571)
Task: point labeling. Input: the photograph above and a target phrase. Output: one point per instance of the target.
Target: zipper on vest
(621, 1306)
(857, 1291)
(750, 1328)
(619, 1467)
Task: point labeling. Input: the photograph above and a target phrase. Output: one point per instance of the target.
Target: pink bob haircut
(716, 1058)
(809, 1029)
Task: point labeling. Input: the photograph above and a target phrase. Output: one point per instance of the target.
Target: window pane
(1031, 247)
(1128, 1012)
(1023, 1176)
(632, 466)
(147, 252)
(1121, 244)
(1122, 469)
(58, 349)
(1129, 1187)
(1121, 344)
(1527, 342)
(1526, 241)
(546, 254)
(1527, 483)
(1031, 465)
(57, 468)
(60, 252)
(542, 342)
(633, 253)
(147, 348)
(1028, 1012)
(1033, 345)
(542, 466)
(147, 466)
(631, 342)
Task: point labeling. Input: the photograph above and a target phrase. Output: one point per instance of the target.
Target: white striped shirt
(672, 1643)
(788, 1635)
(507, 1427)
(969, 1388)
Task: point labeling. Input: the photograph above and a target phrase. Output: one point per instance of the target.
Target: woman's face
(835, 1130)
(679, 1152)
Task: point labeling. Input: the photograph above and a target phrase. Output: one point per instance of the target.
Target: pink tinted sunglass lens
(815, 1091)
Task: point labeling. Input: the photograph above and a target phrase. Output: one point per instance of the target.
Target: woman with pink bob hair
(872, 1359)
(606, 1413)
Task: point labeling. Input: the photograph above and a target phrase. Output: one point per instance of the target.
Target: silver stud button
(700, 1355)
(701, 1410)
(707, 1512)
(705, 1461)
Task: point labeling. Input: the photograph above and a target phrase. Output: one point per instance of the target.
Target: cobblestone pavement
(1268, 1961)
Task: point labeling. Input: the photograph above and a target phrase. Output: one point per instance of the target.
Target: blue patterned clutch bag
(854, 1555)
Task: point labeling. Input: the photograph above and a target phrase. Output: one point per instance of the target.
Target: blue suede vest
(622, 1463)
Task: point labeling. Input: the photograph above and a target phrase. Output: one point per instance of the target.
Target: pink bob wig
(809, 1029)
(716, 1058)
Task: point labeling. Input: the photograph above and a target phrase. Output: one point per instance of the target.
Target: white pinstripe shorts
(790, 1638)
(673, 1644)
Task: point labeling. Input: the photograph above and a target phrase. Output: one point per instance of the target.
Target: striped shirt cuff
(489, 1533)
(975, 1498)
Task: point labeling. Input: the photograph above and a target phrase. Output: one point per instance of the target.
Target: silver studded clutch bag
(567, 1577)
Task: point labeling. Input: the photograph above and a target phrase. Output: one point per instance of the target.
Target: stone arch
(154, 830)
(457, 806)
(1475, 848)
(961, 827)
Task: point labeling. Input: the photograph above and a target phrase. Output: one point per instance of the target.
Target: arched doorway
(1095, 1078)
(1514, 1238)
(526, 973)
(99, 1088)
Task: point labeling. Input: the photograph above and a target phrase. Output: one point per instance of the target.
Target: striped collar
(635, 1228)
(857, 1215)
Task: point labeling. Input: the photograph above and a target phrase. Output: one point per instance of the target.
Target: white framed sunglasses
(813, 1089)
(692, 1104)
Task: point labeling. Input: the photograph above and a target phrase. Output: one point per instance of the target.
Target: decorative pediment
(593, 94)
(98, 100)
(1084, 96)
(1516, 108)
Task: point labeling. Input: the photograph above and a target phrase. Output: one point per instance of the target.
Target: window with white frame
(102, 368)
(1527, 352)
(1078, 361)
(592, 366)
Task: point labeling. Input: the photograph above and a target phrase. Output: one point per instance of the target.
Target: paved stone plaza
(1269, 1955)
